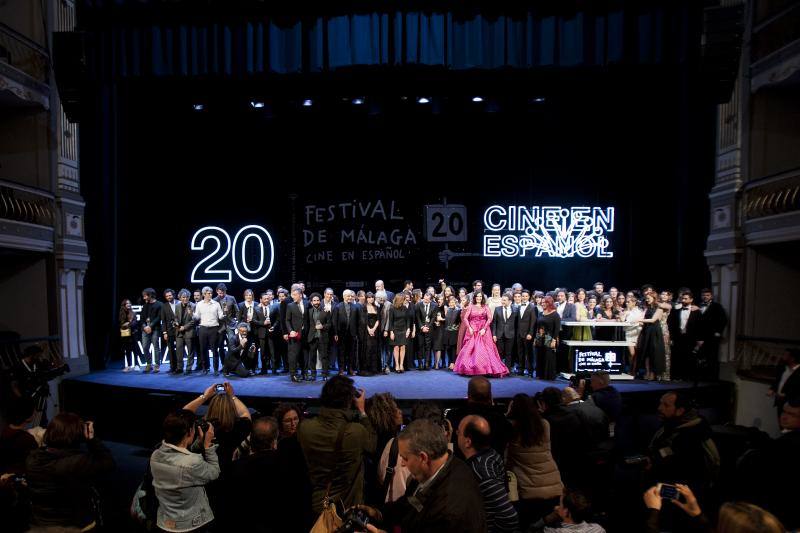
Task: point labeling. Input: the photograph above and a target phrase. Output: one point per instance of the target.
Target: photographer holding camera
(335, 442)
(182, 466)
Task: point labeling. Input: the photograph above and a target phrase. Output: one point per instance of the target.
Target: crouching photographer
(181, 467)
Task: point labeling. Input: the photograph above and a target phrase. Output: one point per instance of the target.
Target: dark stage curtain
(258, 44)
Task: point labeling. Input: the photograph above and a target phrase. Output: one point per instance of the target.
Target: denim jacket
(179, 479)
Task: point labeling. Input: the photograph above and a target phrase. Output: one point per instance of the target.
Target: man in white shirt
(209, 313)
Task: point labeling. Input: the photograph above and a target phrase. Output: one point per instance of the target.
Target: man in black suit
(568, 313)
(260, 329)
(242, 349)
(526, 326)
(345, 332)
(686, 334)
(714, 321)
(423, 317)
(318, 325)
(246, 313)
(787, 379)
(228, 323)
(504, 329)
(277, 313)
(295, 328)
(168, 325)
(184, 332)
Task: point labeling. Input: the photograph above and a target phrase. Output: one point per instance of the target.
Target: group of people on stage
(471, 333)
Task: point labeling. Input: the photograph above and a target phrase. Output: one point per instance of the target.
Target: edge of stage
(105, 394)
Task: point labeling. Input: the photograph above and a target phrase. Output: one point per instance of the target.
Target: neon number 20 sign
(217, 243)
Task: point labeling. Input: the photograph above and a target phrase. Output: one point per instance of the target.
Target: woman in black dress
(437, 330)
(411, 343)
(373, 328)
(452, 321)
(650, 347)
(128, 327)
(548, 326)
(399, 328)
(608, 313)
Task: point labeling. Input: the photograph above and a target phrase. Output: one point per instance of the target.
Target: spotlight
(308, 102)
(423, 100)
(477, 99)
(538, 100)
(198, 107)
(358, 101)
(256, 104)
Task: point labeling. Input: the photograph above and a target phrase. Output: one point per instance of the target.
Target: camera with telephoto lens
(354, 520)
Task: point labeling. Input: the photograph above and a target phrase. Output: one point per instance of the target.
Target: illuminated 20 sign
(552, 231)
(216, 243)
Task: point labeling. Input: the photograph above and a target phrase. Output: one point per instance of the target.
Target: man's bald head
(474, 433)
(570, 395)
(479, 390)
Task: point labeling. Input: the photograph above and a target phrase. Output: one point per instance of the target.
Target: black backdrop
(643, 145)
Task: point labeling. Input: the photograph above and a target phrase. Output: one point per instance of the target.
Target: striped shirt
(491, 475)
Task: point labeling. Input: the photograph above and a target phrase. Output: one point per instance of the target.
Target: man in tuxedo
(345, 332)
(567, 312)
(504, 329)
(296, 330)
(686, 334)
(184, 332)
(150, 320)
(242, 350)
(714, 321)
(279, 337)
(260, 330)
(318, 325)
(168, 325)
(227, 327)
(526, 331)
(423, 316)
(787, 379)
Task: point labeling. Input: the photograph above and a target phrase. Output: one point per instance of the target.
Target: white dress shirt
(208, 313)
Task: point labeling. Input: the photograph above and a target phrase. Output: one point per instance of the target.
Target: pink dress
(478, 355)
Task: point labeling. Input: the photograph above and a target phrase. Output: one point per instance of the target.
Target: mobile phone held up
(668, 492)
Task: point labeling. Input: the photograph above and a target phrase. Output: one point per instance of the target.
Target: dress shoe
(295, 379)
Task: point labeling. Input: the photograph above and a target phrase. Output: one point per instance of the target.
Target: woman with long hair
(608, 313)
(372, 326)
(632, 314)
(479, 355)
(581, 333)
(128, 327)
(548, 327)
(437, 330)
(399, 328)
(529, 458)
(650, 347)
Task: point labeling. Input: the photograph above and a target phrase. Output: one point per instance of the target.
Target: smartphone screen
(220, 389)
(669, 492)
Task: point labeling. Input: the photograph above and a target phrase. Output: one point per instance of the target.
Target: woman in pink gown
(478, 355)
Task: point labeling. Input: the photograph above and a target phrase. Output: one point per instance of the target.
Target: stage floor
(409, 386)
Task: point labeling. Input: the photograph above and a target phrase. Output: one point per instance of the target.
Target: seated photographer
(229, 416)
(267, 490)
(62, 474)
(180, 474)
(572, 514)
(335, 442)
(736, 517)
(443, 495)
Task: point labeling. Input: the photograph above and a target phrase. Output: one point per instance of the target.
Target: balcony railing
(22, 204)
(23, 54)
(772, 196)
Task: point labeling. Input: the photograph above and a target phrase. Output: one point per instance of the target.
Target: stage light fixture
(358, 100)
(477, 99)
(198, 107)
(423, 100)
(256, 104)
(308, 102)
(539, 100)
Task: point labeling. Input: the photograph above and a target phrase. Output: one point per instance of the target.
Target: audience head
(479, 390)
(570, 395)
(791, 357)
(422, 447)
(222, 411)
(288, 417)
(264, 435)
(20, 412)
(600, 380)
(574, 507)
(790, 415)
(524, 416)
(383, 412)
(551, 398)
(673, 405)
(179, 427)
(740, 517)
(65, 431)
(474, 435)
(338, 393)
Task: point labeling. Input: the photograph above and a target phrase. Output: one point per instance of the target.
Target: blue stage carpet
(412, 385)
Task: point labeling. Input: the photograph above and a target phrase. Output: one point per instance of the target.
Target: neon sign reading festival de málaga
(551, 231)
